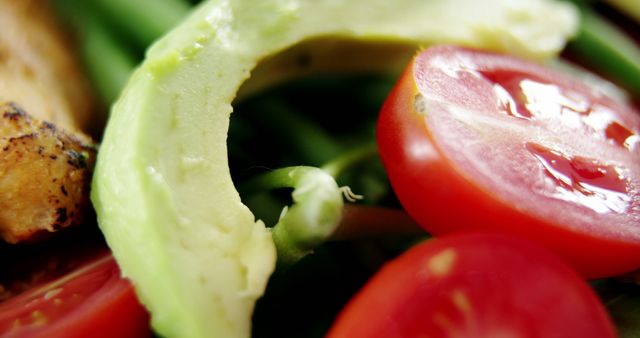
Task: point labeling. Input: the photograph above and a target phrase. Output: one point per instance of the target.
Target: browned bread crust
(45, 174)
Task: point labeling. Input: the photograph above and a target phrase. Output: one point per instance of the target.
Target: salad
(360, 168)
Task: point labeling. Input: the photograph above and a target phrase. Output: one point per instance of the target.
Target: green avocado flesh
(162, 187)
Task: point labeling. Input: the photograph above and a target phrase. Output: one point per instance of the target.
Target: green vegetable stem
(113, 35)
(344, 162)
(308, 141)
(317, 207)
(314, 214)
(106, 58)
(144, 20)
(603, 46)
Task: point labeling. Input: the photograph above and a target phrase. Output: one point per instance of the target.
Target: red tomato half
(92, 301)
(474, 285)
(474, 140)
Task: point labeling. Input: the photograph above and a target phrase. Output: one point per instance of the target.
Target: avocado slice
(162, 188)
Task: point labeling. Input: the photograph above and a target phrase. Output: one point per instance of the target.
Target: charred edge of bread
(45, 176)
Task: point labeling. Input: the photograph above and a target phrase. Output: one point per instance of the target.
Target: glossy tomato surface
(473, 140)
(93, 300)
(474, 285)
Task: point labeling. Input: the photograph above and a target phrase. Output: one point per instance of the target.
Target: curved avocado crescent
(162, 188)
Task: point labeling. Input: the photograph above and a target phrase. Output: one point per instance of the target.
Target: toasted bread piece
(46, 161)
(45, 174)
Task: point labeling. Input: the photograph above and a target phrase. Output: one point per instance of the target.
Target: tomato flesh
(91, 301)
(474, 285)
(474, 140)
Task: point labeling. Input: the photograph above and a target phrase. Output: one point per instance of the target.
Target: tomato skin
(442, 199)
(91, 301)
(474, 285)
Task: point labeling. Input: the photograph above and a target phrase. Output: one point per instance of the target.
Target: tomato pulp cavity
(91, 301)
(474, 285)
(474, 140)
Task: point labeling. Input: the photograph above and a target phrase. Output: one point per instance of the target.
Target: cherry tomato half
(474, 140)
(91, 301)
(474, 285)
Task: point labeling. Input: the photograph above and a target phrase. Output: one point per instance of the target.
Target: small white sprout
(350, 195)
(283, 212)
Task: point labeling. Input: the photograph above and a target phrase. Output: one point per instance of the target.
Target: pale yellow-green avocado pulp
(162, 188)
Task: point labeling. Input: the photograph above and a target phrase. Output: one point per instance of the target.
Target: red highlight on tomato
(475, 285)
(473, 140)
